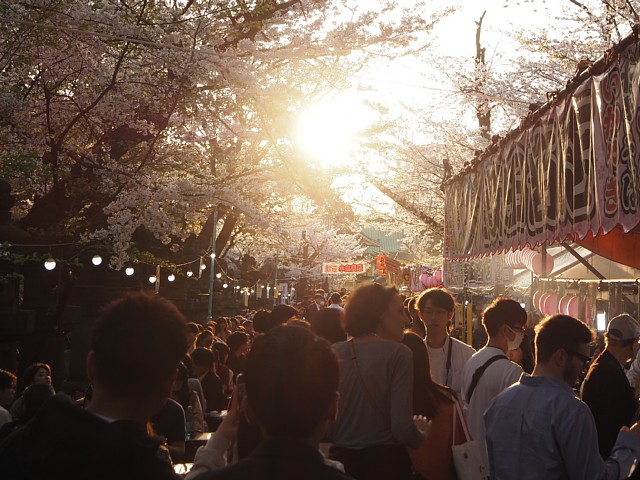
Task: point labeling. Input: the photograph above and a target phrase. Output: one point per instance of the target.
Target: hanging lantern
(129, 271)
(189, 273)
(171, 277)
(96, 260)
(152, 279)
(49, 263)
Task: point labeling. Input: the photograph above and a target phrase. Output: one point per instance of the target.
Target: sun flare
(328, 131)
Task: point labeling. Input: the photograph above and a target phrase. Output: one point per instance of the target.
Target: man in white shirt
(488, 372)
(447, 355)
(336, 301)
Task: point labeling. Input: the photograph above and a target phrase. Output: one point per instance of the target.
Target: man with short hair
(488, 372)
(447, 355)
(538, 429)
(606, 389)
(312, 310)
(137, 344)
(291, 394)
(335, 301)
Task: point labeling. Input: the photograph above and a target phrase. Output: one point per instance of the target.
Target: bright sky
(328, 131)
(342, 117)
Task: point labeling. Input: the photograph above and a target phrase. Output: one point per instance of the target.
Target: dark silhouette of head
(292, 380)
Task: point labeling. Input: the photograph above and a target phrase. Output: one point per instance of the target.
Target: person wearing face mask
(606, 389)
(488, 372)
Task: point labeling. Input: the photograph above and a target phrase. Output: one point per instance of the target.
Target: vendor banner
(329, 268)
(573, 171)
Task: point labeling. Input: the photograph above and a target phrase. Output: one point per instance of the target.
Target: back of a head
(138, 341)
(560, 331)
(281, 313)
(327, 323)
(503, 311)
(365, 308)
(291, 377)
(236, 340)
(262, 321)
(203, 357)
(34, 397)
(7, 379)
(335, 298)
(193, 328)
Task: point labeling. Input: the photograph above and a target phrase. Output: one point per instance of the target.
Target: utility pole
(213, 262)
(275, 283)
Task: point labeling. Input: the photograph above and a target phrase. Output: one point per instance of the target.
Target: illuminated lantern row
(549, 304)
(430, 281)
(529, 259)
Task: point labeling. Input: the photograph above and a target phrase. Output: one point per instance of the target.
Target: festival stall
(568, 176)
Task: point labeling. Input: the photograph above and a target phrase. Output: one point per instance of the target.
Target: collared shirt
(538, 429)
(498, 376)
(460, 353)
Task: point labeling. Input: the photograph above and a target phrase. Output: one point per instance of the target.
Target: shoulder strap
(448, 366)
(478, 373)
(367, 394)
(463, 421)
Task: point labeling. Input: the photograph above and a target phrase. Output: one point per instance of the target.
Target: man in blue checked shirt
(538, 429)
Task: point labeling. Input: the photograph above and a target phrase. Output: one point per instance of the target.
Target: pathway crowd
(370, 386)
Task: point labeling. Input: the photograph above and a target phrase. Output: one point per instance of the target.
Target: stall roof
(570, 171)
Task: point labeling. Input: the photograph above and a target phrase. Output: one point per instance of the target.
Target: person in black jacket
(606, 389)
(132, 373)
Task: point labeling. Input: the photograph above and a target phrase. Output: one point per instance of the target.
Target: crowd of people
(370, 385)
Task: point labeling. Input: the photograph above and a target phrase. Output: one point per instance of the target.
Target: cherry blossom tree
(143, 117)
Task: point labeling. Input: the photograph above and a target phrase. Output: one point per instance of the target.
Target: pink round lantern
(535, 300)
(438, 276)
(536, 264)
(573, 306)
(551, 304)
(563, 303)
(423, 279)
(541, 303)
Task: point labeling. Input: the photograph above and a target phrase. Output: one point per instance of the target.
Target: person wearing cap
(606, 389)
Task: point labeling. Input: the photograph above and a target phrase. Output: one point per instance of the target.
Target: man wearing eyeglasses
(488, 372)
(606, 389)
(538, 429)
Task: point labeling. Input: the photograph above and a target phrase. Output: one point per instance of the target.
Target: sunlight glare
(328, 131)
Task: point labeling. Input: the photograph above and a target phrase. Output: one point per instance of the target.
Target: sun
(328, 131)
